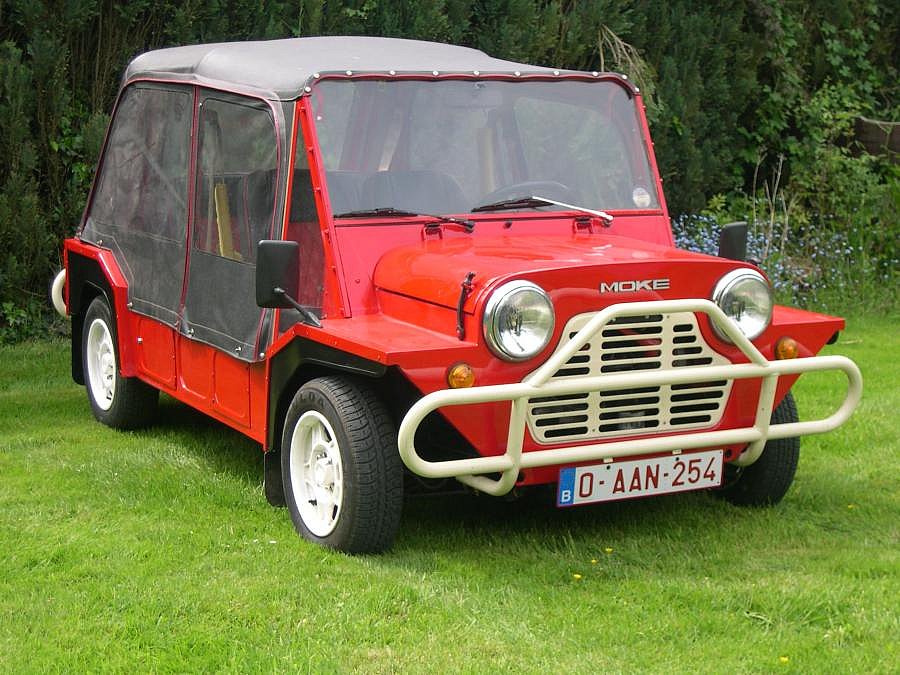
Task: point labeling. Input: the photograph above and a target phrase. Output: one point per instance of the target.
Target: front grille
(647, 343)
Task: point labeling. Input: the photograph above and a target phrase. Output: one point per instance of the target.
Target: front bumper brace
(538, 383)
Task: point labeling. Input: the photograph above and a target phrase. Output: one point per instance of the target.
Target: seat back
(419, 191)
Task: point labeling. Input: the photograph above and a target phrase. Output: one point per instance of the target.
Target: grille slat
(571, 419)
(632, 344)
(567, 397)
(698, 385)
(571, 372)
(614, 410)
(631, 330)
(642, 355)
(632, 365)
(629, 400)
(697, 396)
(552, 410)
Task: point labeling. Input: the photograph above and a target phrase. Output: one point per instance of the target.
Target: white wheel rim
(101, 364)
(317, 475)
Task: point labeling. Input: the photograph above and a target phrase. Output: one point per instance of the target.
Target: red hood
(433, 270)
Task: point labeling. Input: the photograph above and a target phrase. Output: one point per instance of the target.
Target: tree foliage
(738, 86)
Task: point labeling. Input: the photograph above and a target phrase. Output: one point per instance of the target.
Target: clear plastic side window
(139, 205)
(303, 227)
(234, 207)
(235, 191)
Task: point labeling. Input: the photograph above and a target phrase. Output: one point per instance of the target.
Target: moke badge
(634, 286)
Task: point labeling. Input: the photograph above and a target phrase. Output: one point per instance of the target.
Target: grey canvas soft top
(280, 69)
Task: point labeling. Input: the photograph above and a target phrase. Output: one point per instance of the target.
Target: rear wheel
(117, 401)
(767, 480)
(343, 480)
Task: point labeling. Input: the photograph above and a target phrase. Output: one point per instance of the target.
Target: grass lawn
(156, 551)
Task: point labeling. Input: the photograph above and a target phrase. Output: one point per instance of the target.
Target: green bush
(731, 83)
(24, 236)
(823, 214)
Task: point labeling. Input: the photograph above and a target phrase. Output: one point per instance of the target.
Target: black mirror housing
(733, 241)
(277, 273)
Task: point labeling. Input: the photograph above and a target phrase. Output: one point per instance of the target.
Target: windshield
(450, 146)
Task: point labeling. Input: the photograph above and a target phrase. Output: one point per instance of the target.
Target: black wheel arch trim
(286, 374)
(86, 280)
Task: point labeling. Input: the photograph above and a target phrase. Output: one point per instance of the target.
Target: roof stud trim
(476, 73)
(556, 72)
(392, 72)
(517, 74)
(316, 75)
(435, 73)
(349, 72)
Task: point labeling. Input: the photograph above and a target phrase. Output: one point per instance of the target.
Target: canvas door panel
(139, 205)
(234, 208)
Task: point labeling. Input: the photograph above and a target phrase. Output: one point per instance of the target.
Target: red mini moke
(369, 254)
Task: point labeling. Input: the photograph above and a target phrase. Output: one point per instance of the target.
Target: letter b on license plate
(639, 478)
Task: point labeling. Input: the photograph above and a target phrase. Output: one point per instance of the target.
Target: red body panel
(364, 244)
(391, 293)
(421, 283)
(119, 286)
(570, 268)
(156, 352)
(229, 390)
(415, 288)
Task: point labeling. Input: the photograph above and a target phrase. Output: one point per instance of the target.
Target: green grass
(157, 551)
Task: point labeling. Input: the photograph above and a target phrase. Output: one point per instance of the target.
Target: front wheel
(117, 401)
(343, 480)
(767, 480)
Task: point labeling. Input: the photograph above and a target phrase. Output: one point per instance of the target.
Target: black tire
(116, 401)
(766, 481)
(353, 499)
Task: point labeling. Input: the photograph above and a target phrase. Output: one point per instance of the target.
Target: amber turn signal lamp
(787, 348)
(460, 376)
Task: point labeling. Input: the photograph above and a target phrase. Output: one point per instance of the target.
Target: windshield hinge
(589, 223)
(432, 229)
(465, 289)
(438, 226)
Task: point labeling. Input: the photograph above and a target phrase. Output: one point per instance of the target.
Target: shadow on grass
(460, 522)
(475, 522)
(208, 440)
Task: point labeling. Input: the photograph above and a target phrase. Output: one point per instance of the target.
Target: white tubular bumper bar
(537, 384)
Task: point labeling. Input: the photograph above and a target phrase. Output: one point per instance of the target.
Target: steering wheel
(541, 188)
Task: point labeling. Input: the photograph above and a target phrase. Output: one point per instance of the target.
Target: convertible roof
(280, 69)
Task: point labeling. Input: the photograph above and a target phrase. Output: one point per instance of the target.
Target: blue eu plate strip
(566, 494)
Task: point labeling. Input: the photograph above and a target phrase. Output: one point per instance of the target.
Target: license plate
(639, 478)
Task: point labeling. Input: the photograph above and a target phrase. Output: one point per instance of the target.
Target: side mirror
(277, 273)
(733, 241)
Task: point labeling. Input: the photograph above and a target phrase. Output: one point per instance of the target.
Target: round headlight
(745, 297)
(518, 320)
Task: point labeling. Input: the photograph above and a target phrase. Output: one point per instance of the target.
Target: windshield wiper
(375, 213)
(520, 203)
(467, 225)
(535, 201)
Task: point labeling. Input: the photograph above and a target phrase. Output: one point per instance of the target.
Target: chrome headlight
(518, 320)
(745, 297)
